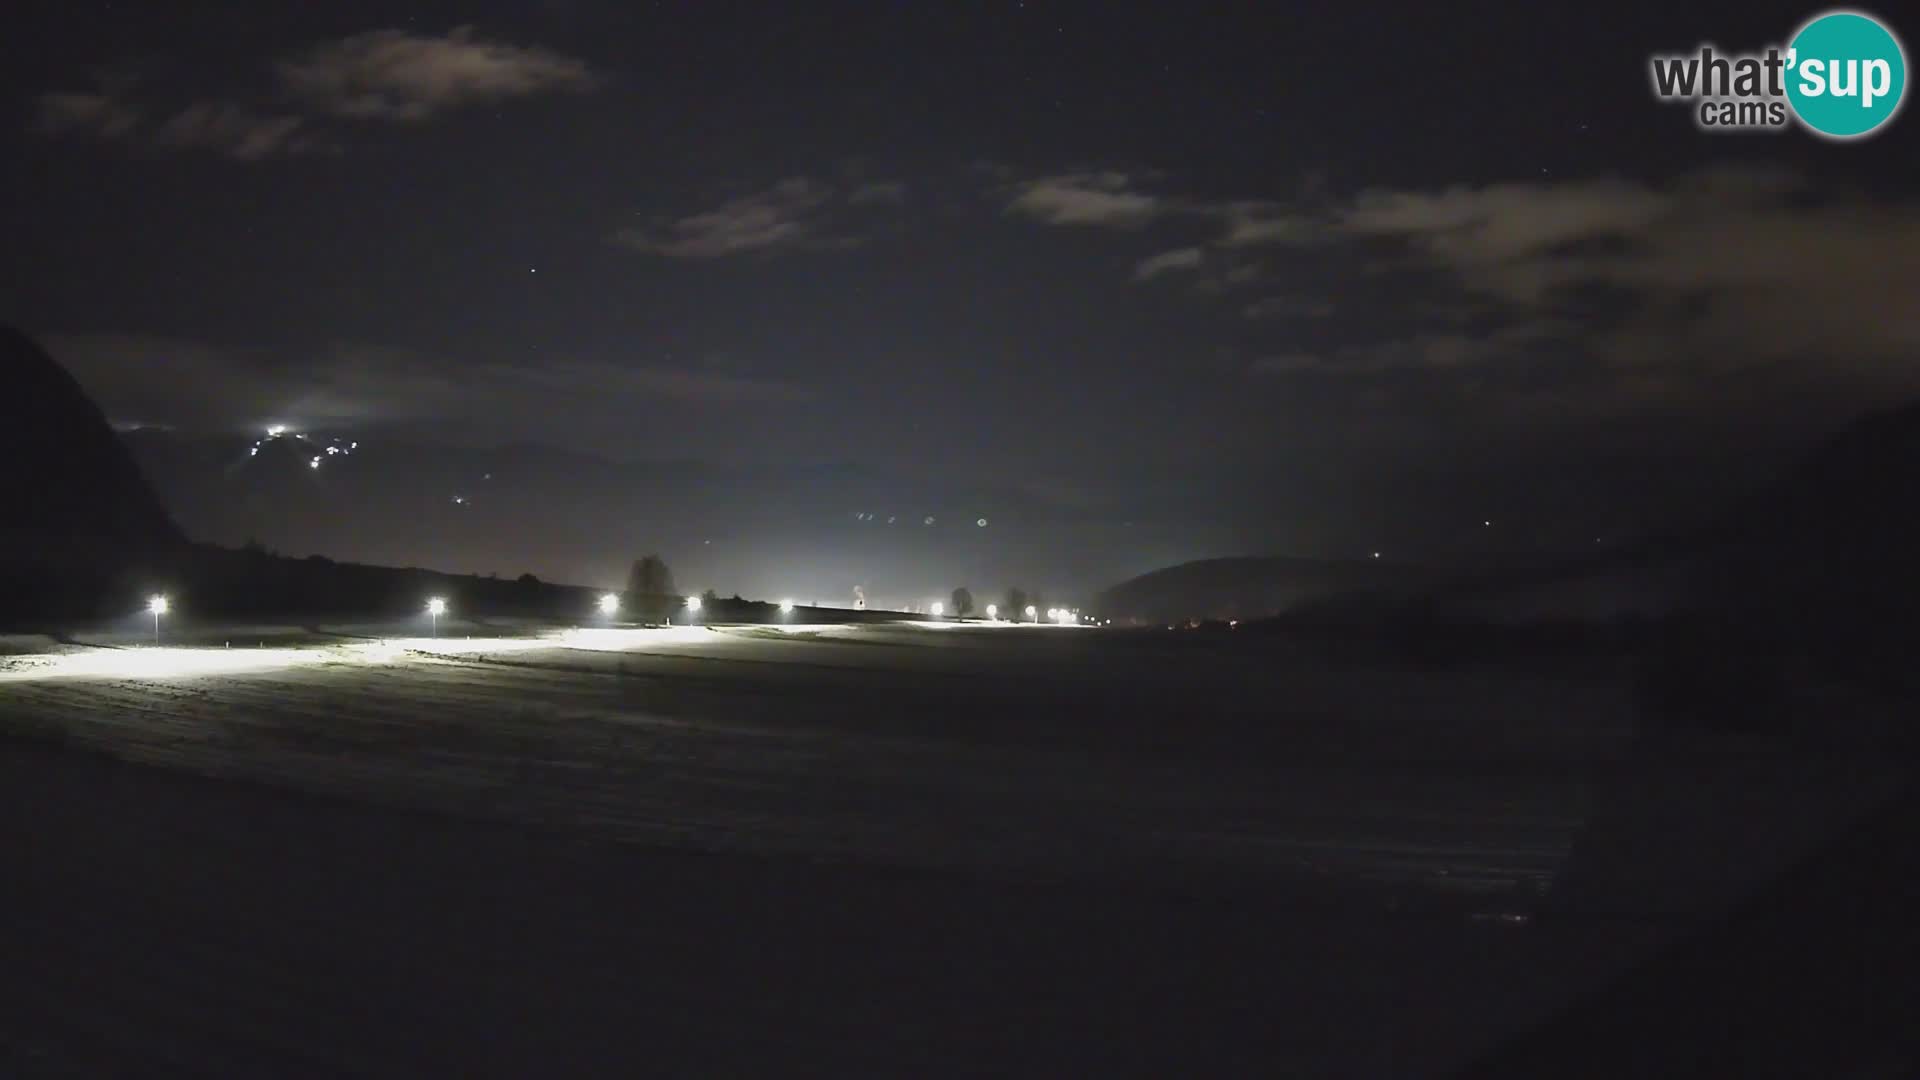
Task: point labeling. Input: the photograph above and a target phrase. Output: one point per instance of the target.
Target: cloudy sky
(1161, 282)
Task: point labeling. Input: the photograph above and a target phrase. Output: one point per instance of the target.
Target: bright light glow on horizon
(693, 603)
(786, 607)
(938, 608)
(609, 604)
(437, 606)
(158, 604)
(993, 611)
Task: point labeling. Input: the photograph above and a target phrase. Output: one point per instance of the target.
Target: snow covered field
(1034, 750)
(913, 840)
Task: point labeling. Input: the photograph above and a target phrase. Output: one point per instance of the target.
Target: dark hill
(68, 479)
(80, 527)
(1249, 587)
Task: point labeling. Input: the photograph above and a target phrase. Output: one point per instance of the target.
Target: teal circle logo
(1846, 74)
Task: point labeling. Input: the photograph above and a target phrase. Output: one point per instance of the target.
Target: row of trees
(1014, 608)
(650, 587)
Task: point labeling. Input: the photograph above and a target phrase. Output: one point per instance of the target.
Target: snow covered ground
(1339, 866)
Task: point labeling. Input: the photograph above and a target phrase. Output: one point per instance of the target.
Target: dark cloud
(796, 213)
(236, 131)
(1255, 222)
(195, 384)
(385, 74)
(878, 191)
(1289, 307)
(1436, 351)
(397, 75)
(1186, 258)
(227, 128)
(99, 113)
(1086, 199)
(1720, 265)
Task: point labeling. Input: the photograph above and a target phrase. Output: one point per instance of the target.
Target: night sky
(1134, 284)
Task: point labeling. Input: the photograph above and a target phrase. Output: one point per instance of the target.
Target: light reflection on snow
(162, 662)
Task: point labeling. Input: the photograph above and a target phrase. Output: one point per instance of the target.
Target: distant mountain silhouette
(67, 480)
(1249, 587)
(1830, 550)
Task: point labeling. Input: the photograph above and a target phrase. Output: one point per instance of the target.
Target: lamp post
(157, 604)
(436, 607)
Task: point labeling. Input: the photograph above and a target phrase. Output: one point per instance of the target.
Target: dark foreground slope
(1813, 977)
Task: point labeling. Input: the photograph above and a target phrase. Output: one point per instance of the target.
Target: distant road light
(993, 611)
(938, 609)
(609, 604)
(1031, 613)
(436, 607)
(786, 607)
(693, 603)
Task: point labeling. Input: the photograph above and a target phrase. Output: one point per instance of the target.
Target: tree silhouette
(650, 577)
(650, 591)
(962, 602)
(1016, 604)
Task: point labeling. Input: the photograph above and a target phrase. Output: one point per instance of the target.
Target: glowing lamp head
(157, 604)
(693, 603)
(993, 611)
(609, 604)
(437, 606)
(938, 608)
(1030, 611)
(786, 607)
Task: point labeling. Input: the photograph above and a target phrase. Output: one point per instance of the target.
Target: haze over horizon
(1155, 288)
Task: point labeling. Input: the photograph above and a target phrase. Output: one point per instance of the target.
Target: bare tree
(962, 602)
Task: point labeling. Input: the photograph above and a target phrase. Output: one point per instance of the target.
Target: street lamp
(610, 604)
(786, 607)
(938, 609)
(436, 607)
(693, 607)
(1032, 614)
(993, 611)
(157, 604)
